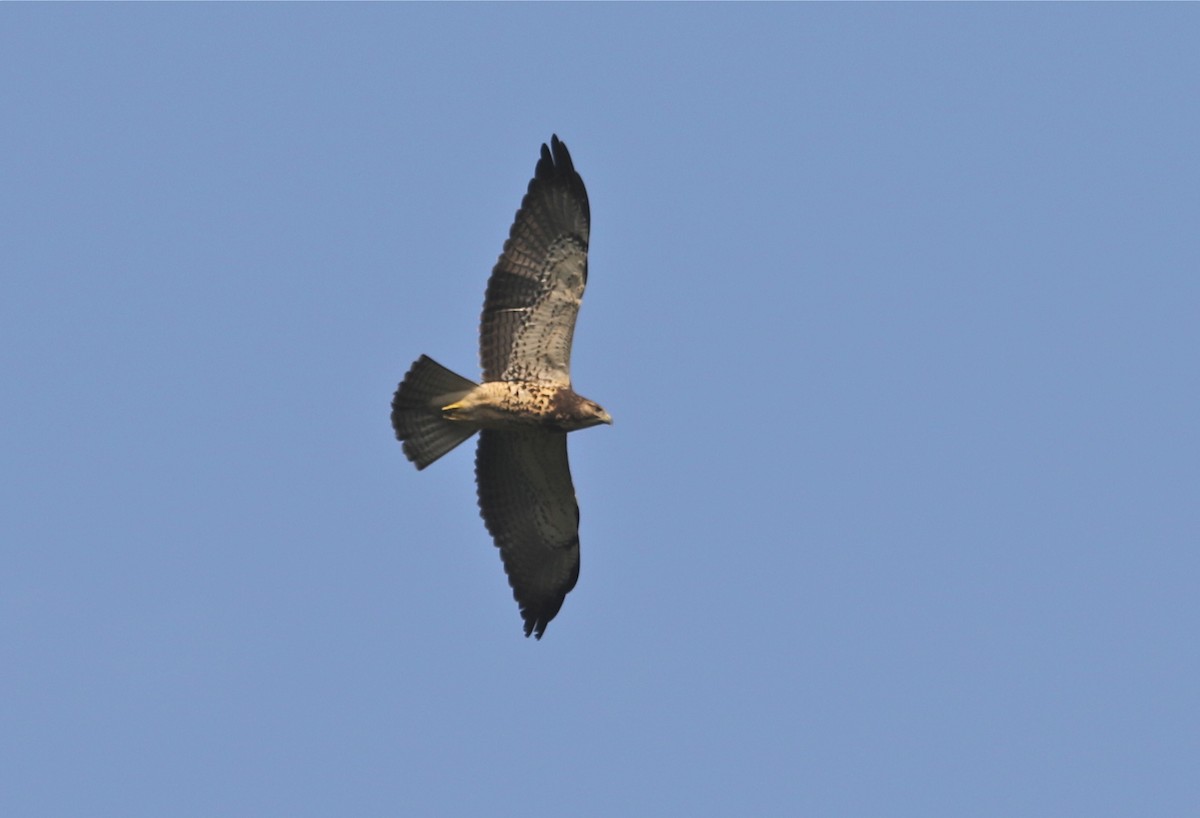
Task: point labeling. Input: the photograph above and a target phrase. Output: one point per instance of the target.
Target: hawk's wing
(528, 504)
(534, 293)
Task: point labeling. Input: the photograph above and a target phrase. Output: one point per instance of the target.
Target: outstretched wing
(534, 292)
(527, 501)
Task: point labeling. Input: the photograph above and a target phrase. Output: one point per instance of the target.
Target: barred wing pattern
(535, 289)
(528, 504)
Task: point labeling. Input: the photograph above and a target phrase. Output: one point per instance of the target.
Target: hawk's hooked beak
(605, 417)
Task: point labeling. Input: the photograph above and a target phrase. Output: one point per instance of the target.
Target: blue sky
(896, 309)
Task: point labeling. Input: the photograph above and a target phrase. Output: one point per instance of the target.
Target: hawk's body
(525, 405)
(513, 404)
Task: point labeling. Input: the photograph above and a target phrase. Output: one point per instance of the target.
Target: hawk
(525, 405)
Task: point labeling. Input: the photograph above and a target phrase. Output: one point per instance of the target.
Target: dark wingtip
(537, 619)
(556, 159)
(534, 626)
(556, 170)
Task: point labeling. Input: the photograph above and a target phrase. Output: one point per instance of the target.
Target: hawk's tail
(417, 411)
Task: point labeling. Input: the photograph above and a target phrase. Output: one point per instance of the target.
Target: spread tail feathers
(417, 411)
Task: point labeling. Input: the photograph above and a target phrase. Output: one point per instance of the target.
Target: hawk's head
(594, 413)
(571, 411)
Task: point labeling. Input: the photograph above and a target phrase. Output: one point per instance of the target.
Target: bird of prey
(525, 405)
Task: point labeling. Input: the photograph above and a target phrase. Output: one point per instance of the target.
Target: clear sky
(897, 309)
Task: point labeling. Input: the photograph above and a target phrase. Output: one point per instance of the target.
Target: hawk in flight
(525, 405)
